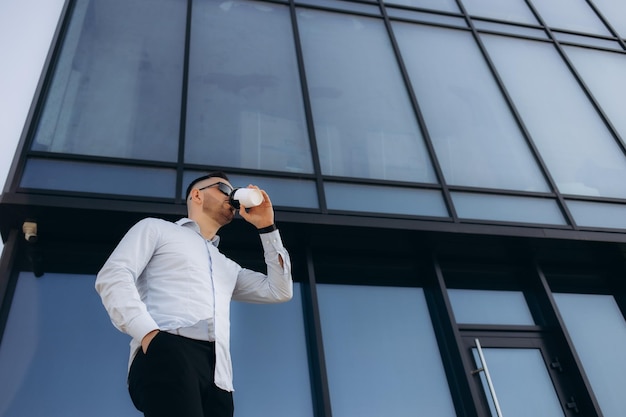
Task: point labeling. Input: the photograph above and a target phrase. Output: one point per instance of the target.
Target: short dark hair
(215, 174)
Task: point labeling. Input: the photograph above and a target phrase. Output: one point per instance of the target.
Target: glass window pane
(90, 177)
(581, 154)
(507, 208)
(587, 40)
(244, 105)
(60, 356)
(365, 125)
(521, 381)
(270, 360)
(510, 10)
(578, 17)
(381, 353)
(117, 85)
(598, 214)
(381, 199)
(344, 5)
(615, 12)
(282, 191)
(490, 307)
(603, 73)
(598, 331)
(442, 5)
(514, 29)
(476, 138)
(427, 17)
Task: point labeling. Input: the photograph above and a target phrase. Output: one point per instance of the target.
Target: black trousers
(175, 379)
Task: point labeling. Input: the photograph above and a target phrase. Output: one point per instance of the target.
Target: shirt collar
(191, 223)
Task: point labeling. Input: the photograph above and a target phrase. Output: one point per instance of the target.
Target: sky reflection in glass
(381, 354)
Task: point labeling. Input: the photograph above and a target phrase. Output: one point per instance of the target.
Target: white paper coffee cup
(247, 197)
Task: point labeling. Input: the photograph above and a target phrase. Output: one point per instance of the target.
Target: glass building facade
(447, 175)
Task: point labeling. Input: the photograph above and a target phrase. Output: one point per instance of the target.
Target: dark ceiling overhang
(82, 231)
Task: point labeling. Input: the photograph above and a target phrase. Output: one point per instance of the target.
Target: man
(168, 287)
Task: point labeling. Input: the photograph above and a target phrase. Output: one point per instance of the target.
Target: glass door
(518, 378)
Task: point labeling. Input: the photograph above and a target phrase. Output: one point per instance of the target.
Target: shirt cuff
(271, 241)
(141, 326)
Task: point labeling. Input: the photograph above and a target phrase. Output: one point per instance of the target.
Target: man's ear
(194, 195)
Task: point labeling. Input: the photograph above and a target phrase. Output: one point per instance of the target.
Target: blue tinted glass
(598, 331)
(282, 191)
(244, 106)
(511, 10)
(99, 178)
(521, 382)
(587, 40)
(60, 356)
(344, 5)
(426, 17)
(507, 208)
(579, 17)
(441, 5)
(583, 157)
(381, 353)
(381, 199)
(365, 125)
(518, 30)
(615, 12)
(598, 214)
(603, 73)
(117, 84)
(270, 359)
(490, 307)
(477, 140)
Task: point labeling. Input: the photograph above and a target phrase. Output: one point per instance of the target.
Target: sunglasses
(224, 188)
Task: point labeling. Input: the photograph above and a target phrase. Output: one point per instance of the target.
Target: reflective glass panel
(615, 12)
(603, 73)
(116, 87)
(514, 29)
(282, 191)
(580, 153)
(60, 355)
(598, 214)
(598, 330)
(344, 5)
(507, 208)
(586, 40)
(426, 17)
(510, 10)
(244, 106)
(365, 125)
(381, 199)
(579, 16)
(381, 353)
(442, 5)
(490, 307)
(270, 361)
(47, 367)
(521, 382)
(90, 177)
(476, 138)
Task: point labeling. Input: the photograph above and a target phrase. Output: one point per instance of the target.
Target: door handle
(485, 369)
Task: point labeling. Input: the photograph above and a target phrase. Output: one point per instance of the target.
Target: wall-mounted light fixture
(30, 231)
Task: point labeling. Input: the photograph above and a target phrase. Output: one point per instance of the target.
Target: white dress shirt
(166, 276)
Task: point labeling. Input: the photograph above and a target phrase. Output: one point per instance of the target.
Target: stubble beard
(224, 213)
(230, 213)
